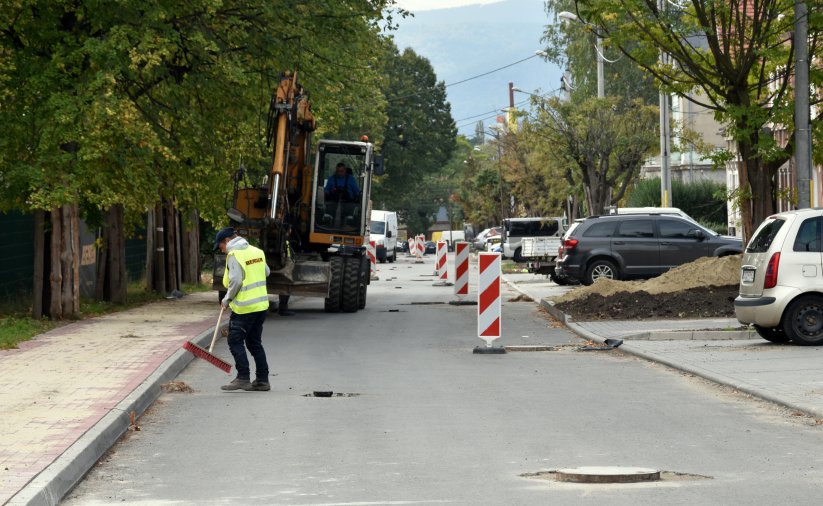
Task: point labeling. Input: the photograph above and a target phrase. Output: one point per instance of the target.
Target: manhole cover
(616, 475)
(328, 394)
(607, 474)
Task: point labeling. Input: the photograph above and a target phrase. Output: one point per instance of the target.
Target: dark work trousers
(246, 331)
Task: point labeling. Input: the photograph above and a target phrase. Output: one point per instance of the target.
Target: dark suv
(637, 246)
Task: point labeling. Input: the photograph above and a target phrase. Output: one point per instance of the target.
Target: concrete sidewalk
(66, 395)
(715, 349)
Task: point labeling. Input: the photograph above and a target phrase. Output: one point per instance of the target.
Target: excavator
(313, 232)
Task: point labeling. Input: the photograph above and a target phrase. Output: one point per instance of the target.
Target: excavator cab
(343, 177)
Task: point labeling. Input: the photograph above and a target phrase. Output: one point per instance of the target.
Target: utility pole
(665, 169)
(601, 85)
(802, 137)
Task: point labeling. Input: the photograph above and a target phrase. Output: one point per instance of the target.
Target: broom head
(200, 352)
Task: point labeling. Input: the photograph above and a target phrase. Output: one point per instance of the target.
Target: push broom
(207, 355)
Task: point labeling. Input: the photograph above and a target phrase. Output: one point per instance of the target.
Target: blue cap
(224, 233)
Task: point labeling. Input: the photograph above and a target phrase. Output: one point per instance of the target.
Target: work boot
(238, 384)
(260, 386)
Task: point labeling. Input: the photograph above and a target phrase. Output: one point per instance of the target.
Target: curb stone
(815, 411)
(58, 479)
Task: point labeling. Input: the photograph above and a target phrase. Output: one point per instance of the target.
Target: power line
(393, 99)
(488, 112)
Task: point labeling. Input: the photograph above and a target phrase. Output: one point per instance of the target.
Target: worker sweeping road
(246, 295)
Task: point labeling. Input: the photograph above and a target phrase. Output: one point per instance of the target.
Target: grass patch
(15, 329)
(16, 324)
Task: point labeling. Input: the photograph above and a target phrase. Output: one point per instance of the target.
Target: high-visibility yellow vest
(252, 296)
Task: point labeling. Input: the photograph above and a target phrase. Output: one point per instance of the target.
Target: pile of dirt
(705, 288)
(703, 272)
(706, 302)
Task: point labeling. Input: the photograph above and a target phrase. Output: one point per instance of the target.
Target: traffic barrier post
(489, 317)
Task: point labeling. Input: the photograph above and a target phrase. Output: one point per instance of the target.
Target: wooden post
(171, 248)
(76, 253)
(150, 250)
(159, 251)
(191, 248)
(56, 272)
(39, 264)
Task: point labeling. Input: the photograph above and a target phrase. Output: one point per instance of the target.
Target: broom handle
(216, 328)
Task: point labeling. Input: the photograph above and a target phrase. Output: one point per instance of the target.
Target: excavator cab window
(340, 179)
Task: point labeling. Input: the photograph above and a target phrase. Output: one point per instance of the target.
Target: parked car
(636, 246)
(431, 248)
(781, 278)
(482, 239)
(403, 246)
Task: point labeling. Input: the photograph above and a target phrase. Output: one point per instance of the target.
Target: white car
(781, 278)
(383, 231)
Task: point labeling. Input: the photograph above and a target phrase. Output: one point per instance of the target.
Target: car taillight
(771, 271)
(569, 244)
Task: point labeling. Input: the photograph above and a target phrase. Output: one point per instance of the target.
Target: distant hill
(465, 41)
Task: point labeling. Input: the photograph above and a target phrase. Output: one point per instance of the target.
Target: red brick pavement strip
(58, 387)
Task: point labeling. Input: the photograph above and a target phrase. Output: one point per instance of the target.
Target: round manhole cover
(607, 474)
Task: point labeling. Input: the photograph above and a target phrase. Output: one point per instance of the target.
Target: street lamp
(598, 49)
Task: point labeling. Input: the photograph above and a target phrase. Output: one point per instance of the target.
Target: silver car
(781, 278)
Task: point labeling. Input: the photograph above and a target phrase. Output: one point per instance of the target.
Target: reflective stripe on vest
(252, 296)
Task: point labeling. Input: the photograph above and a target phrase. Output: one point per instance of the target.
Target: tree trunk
(56, 274)
(191, 249)
(69, 260)
(39, 264)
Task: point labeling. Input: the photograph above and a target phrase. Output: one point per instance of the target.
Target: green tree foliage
(418, 141)
(736, 56)
(164, 99)
(571, 45)
(597, 146)
(705, 201)
(480, 190)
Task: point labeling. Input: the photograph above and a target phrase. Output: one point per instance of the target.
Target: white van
(383, 231)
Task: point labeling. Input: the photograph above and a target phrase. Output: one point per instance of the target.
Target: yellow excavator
(310, 219)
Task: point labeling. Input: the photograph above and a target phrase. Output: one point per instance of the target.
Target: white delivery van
(383, 231)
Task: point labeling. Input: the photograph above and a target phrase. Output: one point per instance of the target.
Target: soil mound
(705, 288)
(700, 274)
(704, 302)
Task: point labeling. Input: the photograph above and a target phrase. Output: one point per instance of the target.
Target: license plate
(748, 276)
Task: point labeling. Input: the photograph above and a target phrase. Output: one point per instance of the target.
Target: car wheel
(393, 256)
(773, 335)
(803, 321)
(518, 255)
(600, 269)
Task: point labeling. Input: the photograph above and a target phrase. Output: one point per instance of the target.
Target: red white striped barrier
(419, 248)
(371, 248)
(488, 298)
(441, 269)
(441, 265)
(461, 269)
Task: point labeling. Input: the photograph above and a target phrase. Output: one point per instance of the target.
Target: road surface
(431, 423)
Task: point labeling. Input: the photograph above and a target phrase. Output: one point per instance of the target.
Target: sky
(465, 38)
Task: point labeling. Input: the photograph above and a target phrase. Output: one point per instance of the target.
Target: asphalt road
(434, 424)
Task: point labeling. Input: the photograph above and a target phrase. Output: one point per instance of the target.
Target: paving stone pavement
(60, 384)
(785, 374)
